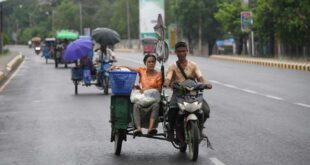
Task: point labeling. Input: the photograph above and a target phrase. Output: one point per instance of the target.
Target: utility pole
(128, 25)
(1, 26)
(81, 19)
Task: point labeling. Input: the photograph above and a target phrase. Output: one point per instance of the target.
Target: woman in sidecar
(145, 112)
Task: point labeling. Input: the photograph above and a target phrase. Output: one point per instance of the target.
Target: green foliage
(66, 16)
(288, 20)
(229, 17)
(192, 16)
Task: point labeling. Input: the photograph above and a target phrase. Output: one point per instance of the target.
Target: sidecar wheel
(118, 141)
(76, 87)
(193, 144)
(56, 63)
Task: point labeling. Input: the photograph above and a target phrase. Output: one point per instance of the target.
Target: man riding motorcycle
(178, 72)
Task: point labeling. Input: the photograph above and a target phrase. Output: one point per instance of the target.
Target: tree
(66, 16)
(288, 21)
(197, 22)
(229, 17)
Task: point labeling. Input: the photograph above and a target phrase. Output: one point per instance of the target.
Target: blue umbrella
(78, 49)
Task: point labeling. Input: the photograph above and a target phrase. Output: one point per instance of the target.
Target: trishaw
(64, 37)
(188, 118)
(59, 53)
(36, 42)
(49, 49)
(187, 128)
(88, 75)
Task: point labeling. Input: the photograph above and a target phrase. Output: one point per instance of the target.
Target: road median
(304, 66)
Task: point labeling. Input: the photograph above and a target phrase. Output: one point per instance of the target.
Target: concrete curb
(10, 66)
(266, 62)
(1, 76)
(14, 62)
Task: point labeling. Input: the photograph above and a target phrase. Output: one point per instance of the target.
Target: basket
(122, 82)
(76, 73)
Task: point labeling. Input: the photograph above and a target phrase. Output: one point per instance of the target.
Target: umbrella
(66, 34)
(78, 49)
(105, 36)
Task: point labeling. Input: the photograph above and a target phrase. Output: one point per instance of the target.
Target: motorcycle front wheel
(193, 140)
(106, 85)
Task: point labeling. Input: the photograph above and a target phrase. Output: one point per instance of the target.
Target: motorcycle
(103, 75)
(37, 49)
(187, 126)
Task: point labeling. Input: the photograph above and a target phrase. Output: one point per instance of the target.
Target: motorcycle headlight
(190, 107)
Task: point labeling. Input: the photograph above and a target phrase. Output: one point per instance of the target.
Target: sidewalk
(8, 63)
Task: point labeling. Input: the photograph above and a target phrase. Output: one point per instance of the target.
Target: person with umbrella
(104, 54)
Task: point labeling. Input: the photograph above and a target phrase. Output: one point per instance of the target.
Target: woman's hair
(147, 56)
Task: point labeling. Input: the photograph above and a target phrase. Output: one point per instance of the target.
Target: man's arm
(201, 79)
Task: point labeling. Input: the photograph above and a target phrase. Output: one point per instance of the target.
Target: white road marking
(249, 91)
(216, 161)
(215, 82)
(230, 86)
(274, 97)
(304, 105)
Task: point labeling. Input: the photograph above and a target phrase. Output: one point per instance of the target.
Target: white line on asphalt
(249, 91)
(13, 75)
(216, 161)
(230, 86)
(215, 82)
(274, 97)
(304, 105)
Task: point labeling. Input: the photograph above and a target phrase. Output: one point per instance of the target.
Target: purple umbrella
(78, 49)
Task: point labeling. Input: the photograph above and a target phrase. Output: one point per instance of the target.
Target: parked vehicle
(149, 45)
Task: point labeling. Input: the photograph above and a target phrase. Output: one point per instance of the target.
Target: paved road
(260, 115)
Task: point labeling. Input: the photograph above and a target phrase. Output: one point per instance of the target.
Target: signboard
(149, 10)
(246, 21)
